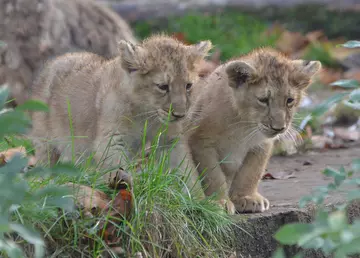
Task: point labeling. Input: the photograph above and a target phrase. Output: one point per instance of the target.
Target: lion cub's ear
(239, 73)
(132, 57)
(198, 51)
(310, 68)
(202, 48)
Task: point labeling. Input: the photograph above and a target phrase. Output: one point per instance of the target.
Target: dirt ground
(307, 170)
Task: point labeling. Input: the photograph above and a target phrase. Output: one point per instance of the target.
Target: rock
(255, 232)
(51, 28)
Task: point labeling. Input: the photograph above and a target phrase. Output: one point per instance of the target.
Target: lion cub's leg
(243, 190)
(214, 179)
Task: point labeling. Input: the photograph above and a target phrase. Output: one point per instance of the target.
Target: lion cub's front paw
(251, 203)
(228, 206)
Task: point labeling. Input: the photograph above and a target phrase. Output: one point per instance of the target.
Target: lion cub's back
(71, 77)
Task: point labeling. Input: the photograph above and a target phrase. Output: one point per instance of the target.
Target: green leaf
(65, 169)
(348, 84)
(352, 105)
(4, 94)
(347, 249)
(355, 95)
(14, 122)
(279, 253)
(324, 107)
(356, 165)
(33, 105)
(353, 195)
(11, 249)
(4, 225)
(29, 235)
(291, 233)
(313, 243)
(351, 44)
(305, 200)
(337, 220)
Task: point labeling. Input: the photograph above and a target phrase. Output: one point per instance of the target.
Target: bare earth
(255, 232)
(307, 169)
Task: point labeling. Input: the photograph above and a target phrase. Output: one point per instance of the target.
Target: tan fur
(112, 99)
(233, 138)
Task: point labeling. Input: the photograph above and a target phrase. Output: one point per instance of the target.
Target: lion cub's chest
(232, 149)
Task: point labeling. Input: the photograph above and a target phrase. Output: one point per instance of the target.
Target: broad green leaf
(347, 249)
(305, 200)
(355, 95)
(353, 195)
(14, 122)
(356, 165)
(279, 253)
(352, 105)
(337, 220)
(331, 172)
(65, 202)
(29, 235)
(313, 243)
(4, 225)
(65, 169)
(324, 107)
(4, 94)
(2, 43)
(33, 105)
(14, 166)
(291, 233)
(346, 236)
(351, 44)
(346, 84)
(11, 249)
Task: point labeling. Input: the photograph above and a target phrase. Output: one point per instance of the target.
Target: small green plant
(15, 190)
(330, 231)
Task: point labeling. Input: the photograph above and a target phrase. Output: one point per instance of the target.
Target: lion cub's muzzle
(164, 116)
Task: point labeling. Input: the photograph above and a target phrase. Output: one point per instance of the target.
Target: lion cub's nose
(177, 115)
(276, 129)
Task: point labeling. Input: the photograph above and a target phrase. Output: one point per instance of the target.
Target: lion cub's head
(268, 87)
(162, 71)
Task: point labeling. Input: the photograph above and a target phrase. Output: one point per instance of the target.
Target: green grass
(233, 32)
(166, 221)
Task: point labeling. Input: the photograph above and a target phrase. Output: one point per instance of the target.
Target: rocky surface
(255, 240)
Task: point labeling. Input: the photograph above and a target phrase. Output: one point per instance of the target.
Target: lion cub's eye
(264, 100)
(289, 101)
(163, 87)
(188, 86)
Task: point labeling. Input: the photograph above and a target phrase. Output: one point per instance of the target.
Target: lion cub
(108, 101)
(243, 106)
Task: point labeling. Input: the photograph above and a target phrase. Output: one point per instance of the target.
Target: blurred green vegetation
(233, 32)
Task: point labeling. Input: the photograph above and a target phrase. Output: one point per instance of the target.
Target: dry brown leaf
(291, 42)
(327, 76)
(279, 175)
(315, 36)
(353, 74)
(346, 134)
(8, 154)
(90, 200)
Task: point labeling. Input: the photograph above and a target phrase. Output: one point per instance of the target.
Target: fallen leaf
(8, 154)
(352, 74)
(291, 42)
(346, 134)
(328, 75)
(317, 35)
(89, 200)
(279, 175)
